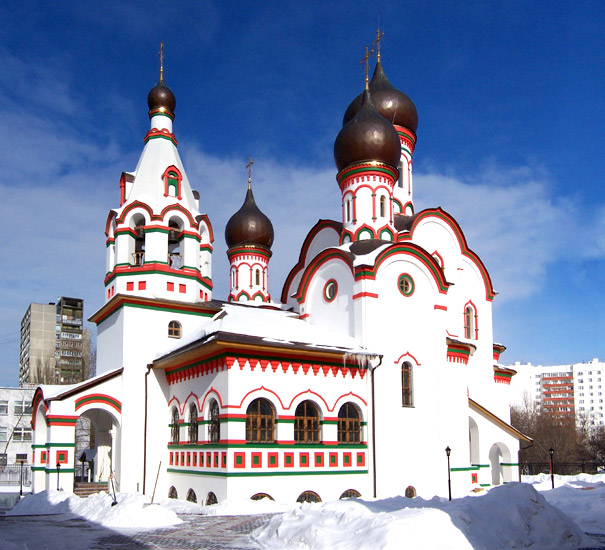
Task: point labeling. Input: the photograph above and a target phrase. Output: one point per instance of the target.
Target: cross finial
(161, 61)
(249, 167)
(379, 36)
(365, 59)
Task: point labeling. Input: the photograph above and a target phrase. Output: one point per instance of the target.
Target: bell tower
(158, 243)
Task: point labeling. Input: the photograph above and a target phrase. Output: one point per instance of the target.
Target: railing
(82, 472)
(561, 468)
(11, 475)
(174, 260)
(138, 259)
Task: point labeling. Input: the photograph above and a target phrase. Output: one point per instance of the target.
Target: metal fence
(11, 474)
(561, 468)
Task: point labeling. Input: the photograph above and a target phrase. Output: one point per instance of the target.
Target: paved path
(67, 532)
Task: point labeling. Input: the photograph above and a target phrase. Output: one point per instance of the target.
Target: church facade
(378, 355)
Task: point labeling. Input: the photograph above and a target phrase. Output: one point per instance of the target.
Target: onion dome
(249, 226)
(391, 103)
(367, 137)
(161, 97)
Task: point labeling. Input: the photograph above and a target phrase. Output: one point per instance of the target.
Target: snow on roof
(270, 324)
(56, 390)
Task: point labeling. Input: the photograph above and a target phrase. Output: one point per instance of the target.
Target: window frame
(307, 427)
(349, 426)
(407, 388)
(260, 425)
(175, 329)
(193, 424)
(214, 423)
(175, 435)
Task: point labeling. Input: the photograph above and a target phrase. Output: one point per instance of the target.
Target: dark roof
(249, 226)
(403, 222)
(361, 248)
(390, 102)
(367, 137)
(161, 96)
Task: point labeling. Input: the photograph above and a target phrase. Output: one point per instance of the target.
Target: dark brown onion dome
(391, 103)
(161, 96)
(367, 137)
(249, 226)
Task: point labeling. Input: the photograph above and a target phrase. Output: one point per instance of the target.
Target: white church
(378, 355)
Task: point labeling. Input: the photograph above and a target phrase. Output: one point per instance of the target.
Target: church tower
(400, 110)
(249, 236)
(367, 153)
(158, 243)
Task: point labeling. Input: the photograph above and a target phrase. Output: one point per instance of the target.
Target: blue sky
(511, 115)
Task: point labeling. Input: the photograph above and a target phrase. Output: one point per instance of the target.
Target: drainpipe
(374, 424)
(145, 430)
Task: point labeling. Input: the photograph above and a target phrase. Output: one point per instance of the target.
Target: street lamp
(449, 480)
(551, 452)
(21, 479)
(58, 472)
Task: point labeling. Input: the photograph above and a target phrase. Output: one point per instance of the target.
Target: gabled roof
(498, 421)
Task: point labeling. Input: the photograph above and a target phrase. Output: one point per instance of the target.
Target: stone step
(85, 489)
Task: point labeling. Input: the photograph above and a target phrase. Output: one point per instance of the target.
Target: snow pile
(511, 516)
(132, 511)
(249, 507)
(581, 497)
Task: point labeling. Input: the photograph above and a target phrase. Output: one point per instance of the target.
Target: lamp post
(551, 452)
(21, 480)
(449, 480)
(58, 472)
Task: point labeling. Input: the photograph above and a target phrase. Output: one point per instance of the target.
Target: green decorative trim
(285, 420)
(509, 464)
(167, 308)
(482, 465)
(252, 446)
(52, 470)
(329, 422)
(485, 484)
(60, 445)
(38, 446)
(305, 472)
(157, 230)
(467, 469)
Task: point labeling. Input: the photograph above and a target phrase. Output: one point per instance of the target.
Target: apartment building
(55, 348)
(575, 390)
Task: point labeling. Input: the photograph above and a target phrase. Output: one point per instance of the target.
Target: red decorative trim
(464, 249)
(300, 265)
(323, 257)
(365, 295)
(99, 398)
(407, 354)
(157, 133)
(437, 306)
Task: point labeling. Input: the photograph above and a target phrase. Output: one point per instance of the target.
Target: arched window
(308, 496)
(306, 423)
(349, 424)
(407, 394)
(214, 424)
(260, 422)
(347, 210)
(257, 276)
(350, 493)
(138, 256)
(175, 257)
(191, 496)
(172, 182)
(211, 499)
(410, 492)
(470, 322)
(383, 207)
(193, 426)
(174, 427)
(174, 329)
(172, 493)
(261, 496)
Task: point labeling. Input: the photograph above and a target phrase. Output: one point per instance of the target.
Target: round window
(405, 284)
(330, 290)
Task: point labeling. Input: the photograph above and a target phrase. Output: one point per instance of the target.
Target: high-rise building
(564, 390)
(55, 348)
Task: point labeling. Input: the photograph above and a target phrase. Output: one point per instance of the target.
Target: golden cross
(161, 61)
(249, 167)
(365, 60)
(379, 36)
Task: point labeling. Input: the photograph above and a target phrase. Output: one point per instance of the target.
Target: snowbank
(132, 511)
(511, 516)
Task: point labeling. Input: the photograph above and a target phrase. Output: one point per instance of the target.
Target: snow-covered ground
(517, 515)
